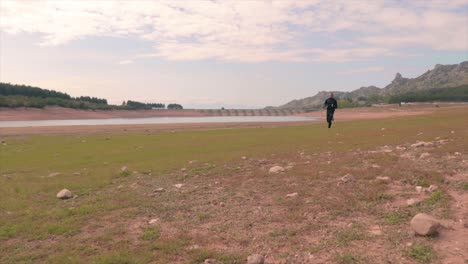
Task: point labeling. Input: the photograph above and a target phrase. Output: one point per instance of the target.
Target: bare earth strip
(60, 113)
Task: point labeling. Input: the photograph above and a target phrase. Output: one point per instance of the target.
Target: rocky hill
(442, 76)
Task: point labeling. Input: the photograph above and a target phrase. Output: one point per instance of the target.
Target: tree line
(12, 95)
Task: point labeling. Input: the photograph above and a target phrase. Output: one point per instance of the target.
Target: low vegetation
(185, 196)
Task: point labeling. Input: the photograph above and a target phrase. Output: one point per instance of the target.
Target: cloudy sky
(225, 53)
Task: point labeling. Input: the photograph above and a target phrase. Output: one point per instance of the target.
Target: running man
(331, 104)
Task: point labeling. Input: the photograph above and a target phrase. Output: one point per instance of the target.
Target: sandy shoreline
(59, 113)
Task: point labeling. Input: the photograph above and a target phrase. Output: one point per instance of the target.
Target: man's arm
(336, 104)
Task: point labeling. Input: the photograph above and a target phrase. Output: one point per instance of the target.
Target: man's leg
(329, 117)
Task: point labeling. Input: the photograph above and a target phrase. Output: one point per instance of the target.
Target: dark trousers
(330, 112)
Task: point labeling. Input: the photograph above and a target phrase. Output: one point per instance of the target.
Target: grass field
(229, 206)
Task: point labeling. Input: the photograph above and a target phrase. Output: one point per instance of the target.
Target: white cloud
(124, 62)
(250, 31)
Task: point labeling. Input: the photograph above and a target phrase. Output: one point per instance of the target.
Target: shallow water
(154, 120)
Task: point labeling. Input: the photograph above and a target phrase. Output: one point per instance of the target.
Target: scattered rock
(244, 157)
(53, 174)
(383, 179)
(375, 230)
(77, 174)
(183, 169)
(375, 166)
(255, 259)
(424, 155)
(347, 178)
(210, 261)
(292, 195)
(159, 190)
(124, 169)
(276, 169)
(452, 132)
(422, 144)
(192, 161)
(411, 202)
(400, 148)
(424, 225)
(178, 186)
(383, 129)
(432, 188)
(419, 189)
(64, 194)
(153, 221)
(457, 153)
(222, 204)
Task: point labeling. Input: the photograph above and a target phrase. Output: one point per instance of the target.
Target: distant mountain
(442, 76)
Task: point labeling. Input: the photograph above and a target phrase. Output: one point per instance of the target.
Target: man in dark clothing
(331, 104)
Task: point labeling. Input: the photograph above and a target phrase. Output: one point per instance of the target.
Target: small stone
(383, 129)
(178, 186)
(292, 195)
(457, 153)
(400, 148)
(411, 202)
(183, 169)
(375, 230)
(124, 169)
(255, 259)
(153, 221)
(424, 225)
(422, 144)
(383, 179)
(409, 244)
(347, 178)
(452, 132)
(375, 166)
(432, 188)
(244, 157)
(419, 189)
(222, 204)
(54, 174)
(64, 194)
(77, 174)
(276, 169)
(159, 190)
(210, 261)
(424, 155)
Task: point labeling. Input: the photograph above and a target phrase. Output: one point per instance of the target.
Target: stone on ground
(210, 261)
(383, 179)
(178, 186)
(347, 178)
(433, 188)
(419, 189)
(64, 194)
(124, 169)
(422, 144)
(292, 195)
(425, 225)
(255, 259)
(276, 169)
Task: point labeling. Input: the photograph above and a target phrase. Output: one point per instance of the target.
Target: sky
(233, 54)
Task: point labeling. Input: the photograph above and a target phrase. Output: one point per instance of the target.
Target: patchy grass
(422, 253)
(151, 233)
(395, 218)
(348, 258)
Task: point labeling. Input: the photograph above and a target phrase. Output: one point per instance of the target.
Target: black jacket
(330, 103)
